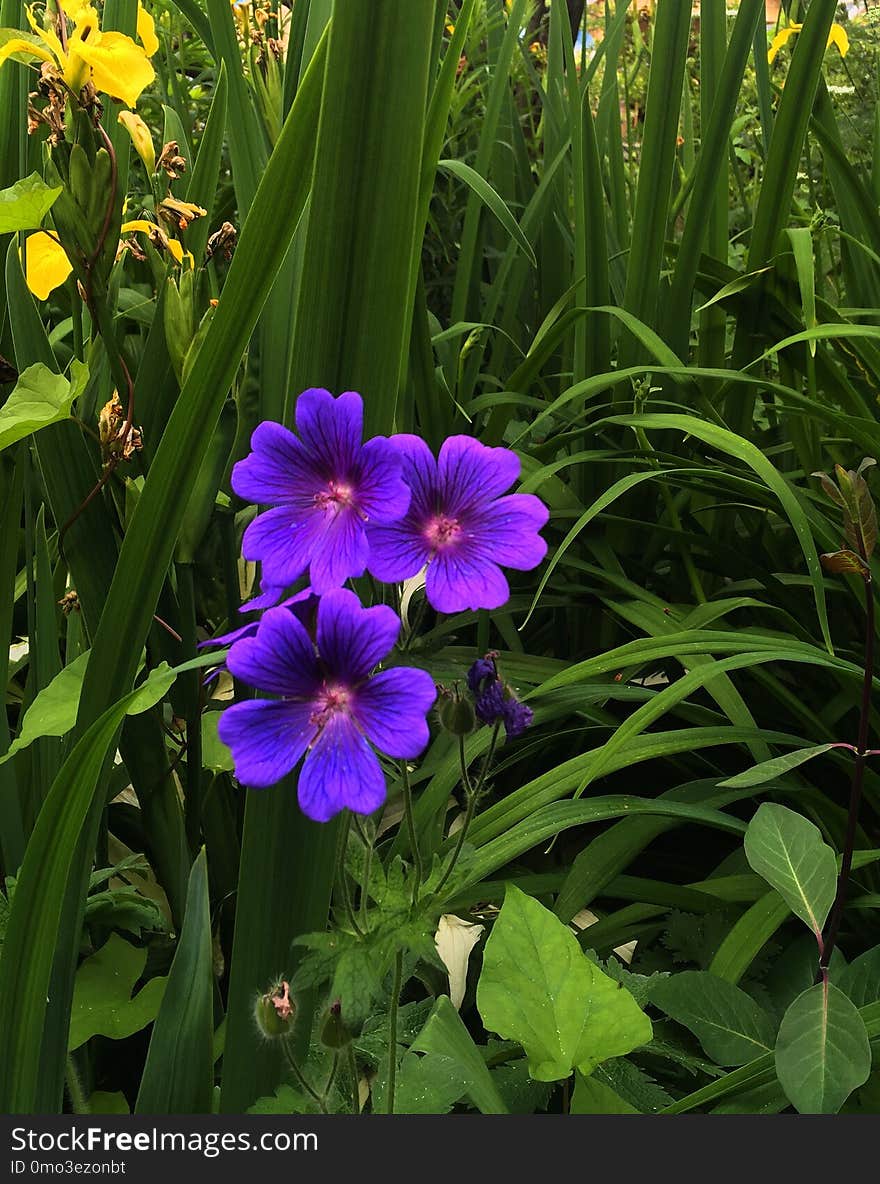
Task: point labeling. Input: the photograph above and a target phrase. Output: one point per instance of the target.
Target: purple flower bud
(489, 704)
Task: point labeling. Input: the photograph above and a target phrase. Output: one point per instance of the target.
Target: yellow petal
(146, 31)
(140, 137)
(18, 48)
(120, 68)
(779, 40)
(46, 35)
(151, 229)
(838, 37)
(46, 265)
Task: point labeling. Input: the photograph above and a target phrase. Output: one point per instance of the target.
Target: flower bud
(334, 1033)
(275, 1011)
(140, 137)
(456, 713)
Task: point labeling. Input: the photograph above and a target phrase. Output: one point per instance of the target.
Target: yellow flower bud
(140, 137)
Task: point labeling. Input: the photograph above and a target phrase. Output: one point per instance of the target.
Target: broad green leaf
(594, 1097)
(539, 988)
(38, 399)
(178, 1077)
(102, 1102)
(429, 1084)
(53, 711)
(822, 1050)
(729, 1024)
(769, 770)
(102, 994)
(860, 980)
(26, 203)
(445, 1035)
(285, 1100)
(789, 852)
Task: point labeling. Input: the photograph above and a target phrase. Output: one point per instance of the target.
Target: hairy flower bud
(275, 1011)
(456, 713)
(334, 1033)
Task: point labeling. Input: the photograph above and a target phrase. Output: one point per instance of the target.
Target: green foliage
(788, 851)
(24, 205)
(822, 1050)
(40, 398)
(103, 1004)
(537, 987)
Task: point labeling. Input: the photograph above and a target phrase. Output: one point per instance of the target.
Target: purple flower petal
(331, 429)
(267, 737)
(383, 495)
(248, 630)
(283, 540)
(269, 596)
(341, 770)
(470, 474)
(353, 639)
(280, 658)
(419, 471)
(391, 709)
(465, 577)
(511, 526)
(396, 552)
(278, 470)
(341, 552)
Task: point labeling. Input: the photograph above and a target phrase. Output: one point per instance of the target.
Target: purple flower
(489, 703)
(517, 717)
(302, 603)
(330, 707)
(324, 485)
(482, 669)
(459, 524)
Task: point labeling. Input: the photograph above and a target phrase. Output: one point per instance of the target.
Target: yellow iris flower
(837, 37)
(116, 65)
(47, 265)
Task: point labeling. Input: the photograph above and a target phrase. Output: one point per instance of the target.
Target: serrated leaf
(102, 999)
(538, 987)
(26, 203)
(38, 399)
(592, 1096)
(770, 770)
(822, 1050)
(285, 1100)
(429, 1084)
(789, 852)
(728, 1023)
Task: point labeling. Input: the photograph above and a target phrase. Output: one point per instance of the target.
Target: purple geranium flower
(330, 708)
(324, 485)
(459, 524)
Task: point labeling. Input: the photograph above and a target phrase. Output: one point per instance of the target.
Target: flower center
(337, 496)
(330, 701)
(442, 531)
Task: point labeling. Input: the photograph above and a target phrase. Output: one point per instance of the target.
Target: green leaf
(285, 1100)
(445, 1035)
(860, 980)
(26, 203)
(102, 994)
(789, 852)
(53, 711)
(38, 399)
(770, 770)
(215, 754)
(538, 987)
(729, 1024)
(492, 201)
(429, 1084)
(178, 1076)
(822, 1050)
(594, 1097)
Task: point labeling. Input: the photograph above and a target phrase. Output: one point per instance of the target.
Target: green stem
(411, 831)
(353, 1074)
(79, 1103)
(341, 849)
(301, 1079)
(392, 1032)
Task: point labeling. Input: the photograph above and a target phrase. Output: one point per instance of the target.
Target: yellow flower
(158, 238)
(113, 62)
(46, 265)
(180, 213)
(837, 37)
(140, 137)
(146, 31)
